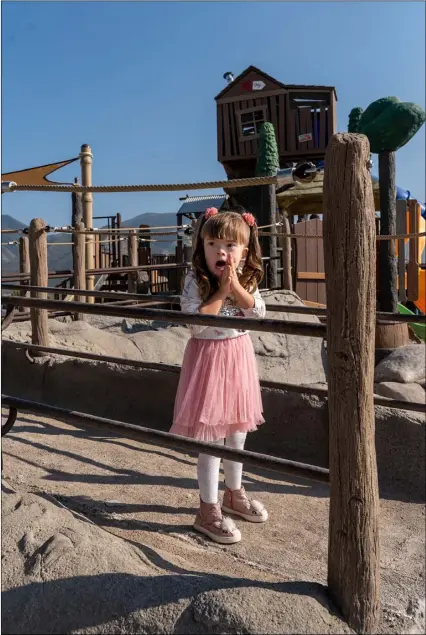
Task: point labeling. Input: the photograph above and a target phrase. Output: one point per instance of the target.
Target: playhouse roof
(198, 204)
(279, 84)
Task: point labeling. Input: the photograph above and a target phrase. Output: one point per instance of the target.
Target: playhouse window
(250, 122)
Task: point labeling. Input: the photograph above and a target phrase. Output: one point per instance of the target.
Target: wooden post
(388, 266)
(24, 263)
(133, 262)
(401, 228)
(79, 265)
(119, 250)
(97, 238)
(86, 160)
(286, 253)
(413, 269)
(39, 278)
(113, 243)
(76, 206)
(268, 216)
(350, 265)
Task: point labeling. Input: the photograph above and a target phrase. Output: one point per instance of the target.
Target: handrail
(182, 444)
(310, 329)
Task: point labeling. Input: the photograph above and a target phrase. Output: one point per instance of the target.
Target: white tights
(208, 469)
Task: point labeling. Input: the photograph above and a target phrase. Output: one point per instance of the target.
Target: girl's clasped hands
(229, 282)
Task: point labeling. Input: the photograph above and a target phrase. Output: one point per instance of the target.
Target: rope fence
(107, 270)
(93, 232)
(378, 236)
(69, 229)
(173, 187)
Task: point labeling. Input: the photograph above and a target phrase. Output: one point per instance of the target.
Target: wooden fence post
(118, 236)
(350, 265)
(76, 206)
(24, 263)
(388, 266)
(287, 280)
(268, 216)
(79, 264)
(39, 278)
(86, 160)
(133, 262)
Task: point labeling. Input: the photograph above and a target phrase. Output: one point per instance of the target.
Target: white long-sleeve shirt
(190, 302)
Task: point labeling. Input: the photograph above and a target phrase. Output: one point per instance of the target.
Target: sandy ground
(148, 496)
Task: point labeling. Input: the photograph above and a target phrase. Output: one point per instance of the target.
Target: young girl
(218, 398)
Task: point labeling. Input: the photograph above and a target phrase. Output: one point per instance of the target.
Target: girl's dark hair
(229, 225)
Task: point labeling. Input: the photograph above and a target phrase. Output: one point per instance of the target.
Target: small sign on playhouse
(255, 85)
(305, 137)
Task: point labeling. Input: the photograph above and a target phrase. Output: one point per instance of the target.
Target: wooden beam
(24, 262)
(79, 265)
(38, 261)
(349, 249)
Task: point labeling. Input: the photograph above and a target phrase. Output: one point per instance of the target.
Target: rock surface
(289, 358)
(405, 365)
(285, 358)
(402, 392)
(63, 574)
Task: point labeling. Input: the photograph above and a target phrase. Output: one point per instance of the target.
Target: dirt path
(148, 496)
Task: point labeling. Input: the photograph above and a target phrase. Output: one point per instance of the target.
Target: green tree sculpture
(268, 161)
(389, 124)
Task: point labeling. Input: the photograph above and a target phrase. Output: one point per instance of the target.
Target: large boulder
(289, 358)
(405, 365)
(403, 392)
(79, 336)
(63, 574)
(281, 358)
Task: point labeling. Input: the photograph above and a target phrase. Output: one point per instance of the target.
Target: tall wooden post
(76, 206)
(79, 264)
(286, 253)
(133, 262)
(118, 235)
(24, 263)
(268, 216)
(39, 278)
(86, 160)
(350, 265)
(390, 334)
(388, 264)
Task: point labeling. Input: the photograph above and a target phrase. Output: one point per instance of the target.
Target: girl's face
(216, 251)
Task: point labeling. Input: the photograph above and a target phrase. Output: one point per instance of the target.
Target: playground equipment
(353, 564)
(389, 124)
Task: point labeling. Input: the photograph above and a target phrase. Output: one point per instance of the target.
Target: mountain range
(60, 258)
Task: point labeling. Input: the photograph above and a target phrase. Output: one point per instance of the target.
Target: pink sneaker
(237, 502)
(209, 521)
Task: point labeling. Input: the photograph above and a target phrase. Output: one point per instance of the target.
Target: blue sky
(137, 82)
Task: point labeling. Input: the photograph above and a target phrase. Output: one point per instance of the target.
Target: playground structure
(353, 573)
(303, 119)
(123, 258)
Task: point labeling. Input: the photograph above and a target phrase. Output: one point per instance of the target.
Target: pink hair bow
(210, 211)
(249, 218)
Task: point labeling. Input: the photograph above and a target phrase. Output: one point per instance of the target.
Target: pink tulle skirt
(219, 390)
